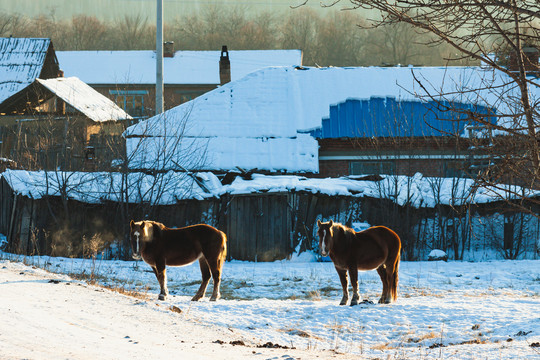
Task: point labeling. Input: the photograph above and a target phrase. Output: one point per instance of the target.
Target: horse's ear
(319, 223)
(331, 223)
(131, 224)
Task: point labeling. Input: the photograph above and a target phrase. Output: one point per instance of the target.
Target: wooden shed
(260, 225)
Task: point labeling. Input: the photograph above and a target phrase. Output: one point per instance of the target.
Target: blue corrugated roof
(386, 117)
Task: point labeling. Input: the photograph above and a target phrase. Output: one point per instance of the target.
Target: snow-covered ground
(448, 310)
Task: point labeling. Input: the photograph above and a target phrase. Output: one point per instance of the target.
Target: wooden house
(329, 122)
(385, 135)
(129, 77)
(22, 61)
(48, 121)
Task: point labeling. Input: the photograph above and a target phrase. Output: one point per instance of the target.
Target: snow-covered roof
(85, 99)
(21, 62)
(186, 67)
(202, 153)
(417, 191)
(97, 187)
(275, 103)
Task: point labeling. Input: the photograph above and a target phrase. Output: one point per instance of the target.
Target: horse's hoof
(354, 302)
(161, 297)
(196, 298)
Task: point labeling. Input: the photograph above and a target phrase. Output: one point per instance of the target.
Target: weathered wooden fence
(260, 227)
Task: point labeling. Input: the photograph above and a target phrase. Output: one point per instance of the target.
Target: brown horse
(375, 248)
(160, 246)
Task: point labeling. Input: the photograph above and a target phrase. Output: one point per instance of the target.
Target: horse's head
(326, 235)
(141, 233)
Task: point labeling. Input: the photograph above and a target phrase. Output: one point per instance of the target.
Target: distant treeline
(337, 39)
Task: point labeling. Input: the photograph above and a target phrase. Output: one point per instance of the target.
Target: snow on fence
(263, 222)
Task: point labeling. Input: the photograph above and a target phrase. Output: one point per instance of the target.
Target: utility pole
(159, 58)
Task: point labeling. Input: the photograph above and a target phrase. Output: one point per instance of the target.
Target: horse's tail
(223, 256)
(395, 276)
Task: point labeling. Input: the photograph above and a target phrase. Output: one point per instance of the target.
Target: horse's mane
(155, 223)
(345, 230)
(157, 227)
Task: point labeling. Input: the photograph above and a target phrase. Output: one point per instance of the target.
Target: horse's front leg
(353, 274)
(344, 284)
(161, 275)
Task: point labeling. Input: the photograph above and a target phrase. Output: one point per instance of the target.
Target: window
(371, 167)
(454, 169)
(132, 101)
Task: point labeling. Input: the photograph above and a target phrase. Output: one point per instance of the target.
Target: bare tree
(332, 40)
(145, 179)
(133, 33)
(87, 32)
(339, 41)
(259, 32)
(215, 26)
(396, 44)
(299, 32)
(10, 25)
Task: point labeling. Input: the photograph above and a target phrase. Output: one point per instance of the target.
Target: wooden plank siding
(259, 227)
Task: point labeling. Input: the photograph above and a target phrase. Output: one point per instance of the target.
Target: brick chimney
(168, 49)
(224, 66)
(530, 60)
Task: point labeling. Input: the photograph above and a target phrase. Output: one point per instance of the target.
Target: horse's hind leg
(216, 267)
(390, 290)
(205, 272)
(382, 270)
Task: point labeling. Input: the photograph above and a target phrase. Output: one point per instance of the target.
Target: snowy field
(445, 310)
